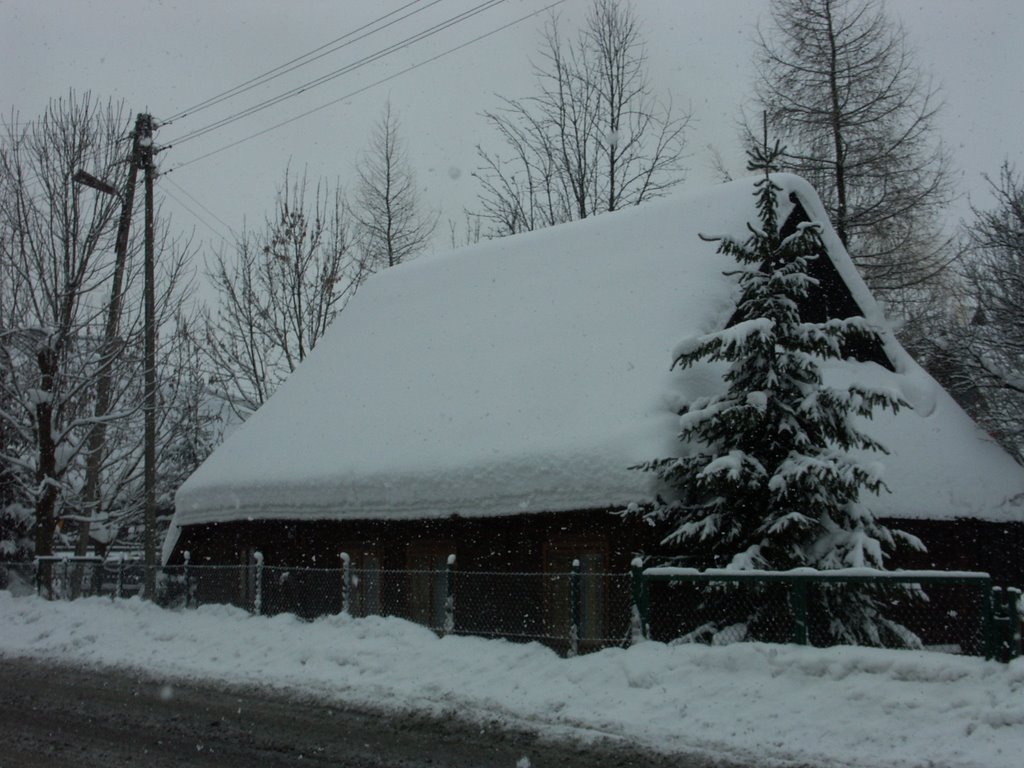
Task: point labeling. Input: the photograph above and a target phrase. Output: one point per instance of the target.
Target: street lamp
(88, 180)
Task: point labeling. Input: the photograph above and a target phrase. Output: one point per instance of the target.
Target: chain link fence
(955, 612)
(579, 611)
(572, 612)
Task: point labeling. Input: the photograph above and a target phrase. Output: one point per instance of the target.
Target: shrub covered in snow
(15, 527)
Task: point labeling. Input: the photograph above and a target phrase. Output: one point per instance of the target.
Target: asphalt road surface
(54, 715)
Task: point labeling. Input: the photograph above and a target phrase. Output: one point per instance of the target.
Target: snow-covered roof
(529, 373)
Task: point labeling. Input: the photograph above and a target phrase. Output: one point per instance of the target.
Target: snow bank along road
(748, 704)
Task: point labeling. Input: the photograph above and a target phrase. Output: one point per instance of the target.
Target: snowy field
(771, 705)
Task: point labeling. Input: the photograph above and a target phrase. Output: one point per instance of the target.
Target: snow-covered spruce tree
(767, 480)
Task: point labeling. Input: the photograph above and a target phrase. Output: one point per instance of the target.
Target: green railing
(998, 619)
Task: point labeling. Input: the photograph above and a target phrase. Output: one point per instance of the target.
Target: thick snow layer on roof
(529, 373)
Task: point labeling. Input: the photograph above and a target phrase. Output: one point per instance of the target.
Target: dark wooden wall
(534, 542)
(967, 545)
(515, 543)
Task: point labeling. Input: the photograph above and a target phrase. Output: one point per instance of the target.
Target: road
(53, 715)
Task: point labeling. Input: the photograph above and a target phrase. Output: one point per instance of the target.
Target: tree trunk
(837, 134)
(46, 465)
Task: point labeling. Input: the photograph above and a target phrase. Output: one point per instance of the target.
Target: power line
(194, 214)
(17, 123)
(356, 92)
(203, 207)
(429, 32)
(300, 61)
(441, 26)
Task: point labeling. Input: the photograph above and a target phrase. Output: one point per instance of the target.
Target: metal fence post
(639, 620)
(119, 586)
(1000, 623)
(988, 619)
(257, 602)
(1013, 605)
(188, 577)
(97, 577)
(1006, 621)
(574, 609)
(798, 599)
(346, 584)
(449, 596)
(45, 575)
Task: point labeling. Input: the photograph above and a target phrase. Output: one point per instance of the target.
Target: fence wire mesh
(220, 584)
(719, 613)
(415, 595)
(538, 606)
(570, 612)
(306, 592)
(933, 614)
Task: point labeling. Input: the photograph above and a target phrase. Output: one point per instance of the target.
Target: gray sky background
(165, 55)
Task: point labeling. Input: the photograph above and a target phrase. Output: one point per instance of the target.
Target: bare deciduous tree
(840, 87)
(593, 139)
(192, 420)
(278, 292)
(393, 227)
(972, 337)
(995, 335)
(55, 241)
(472, 230)
(56, 264)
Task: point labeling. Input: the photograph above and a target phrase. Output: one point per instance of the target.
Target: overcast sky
(166, 55)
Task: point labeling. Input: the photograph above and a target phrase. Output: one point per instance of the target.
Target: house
(489, 403)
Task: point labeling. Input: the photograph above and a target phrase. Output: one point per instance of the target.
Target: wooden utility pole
(98, 432)
(144, 132)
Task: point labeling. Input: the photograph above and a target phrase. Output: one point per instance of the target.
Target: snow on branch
(724, 343)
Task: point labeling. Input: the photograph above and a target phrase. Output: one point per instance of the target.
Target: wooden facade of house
(536, 551)
(540, 542)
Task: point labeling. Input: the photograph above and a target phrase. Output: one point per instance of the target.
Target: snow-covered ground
(767, 703)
